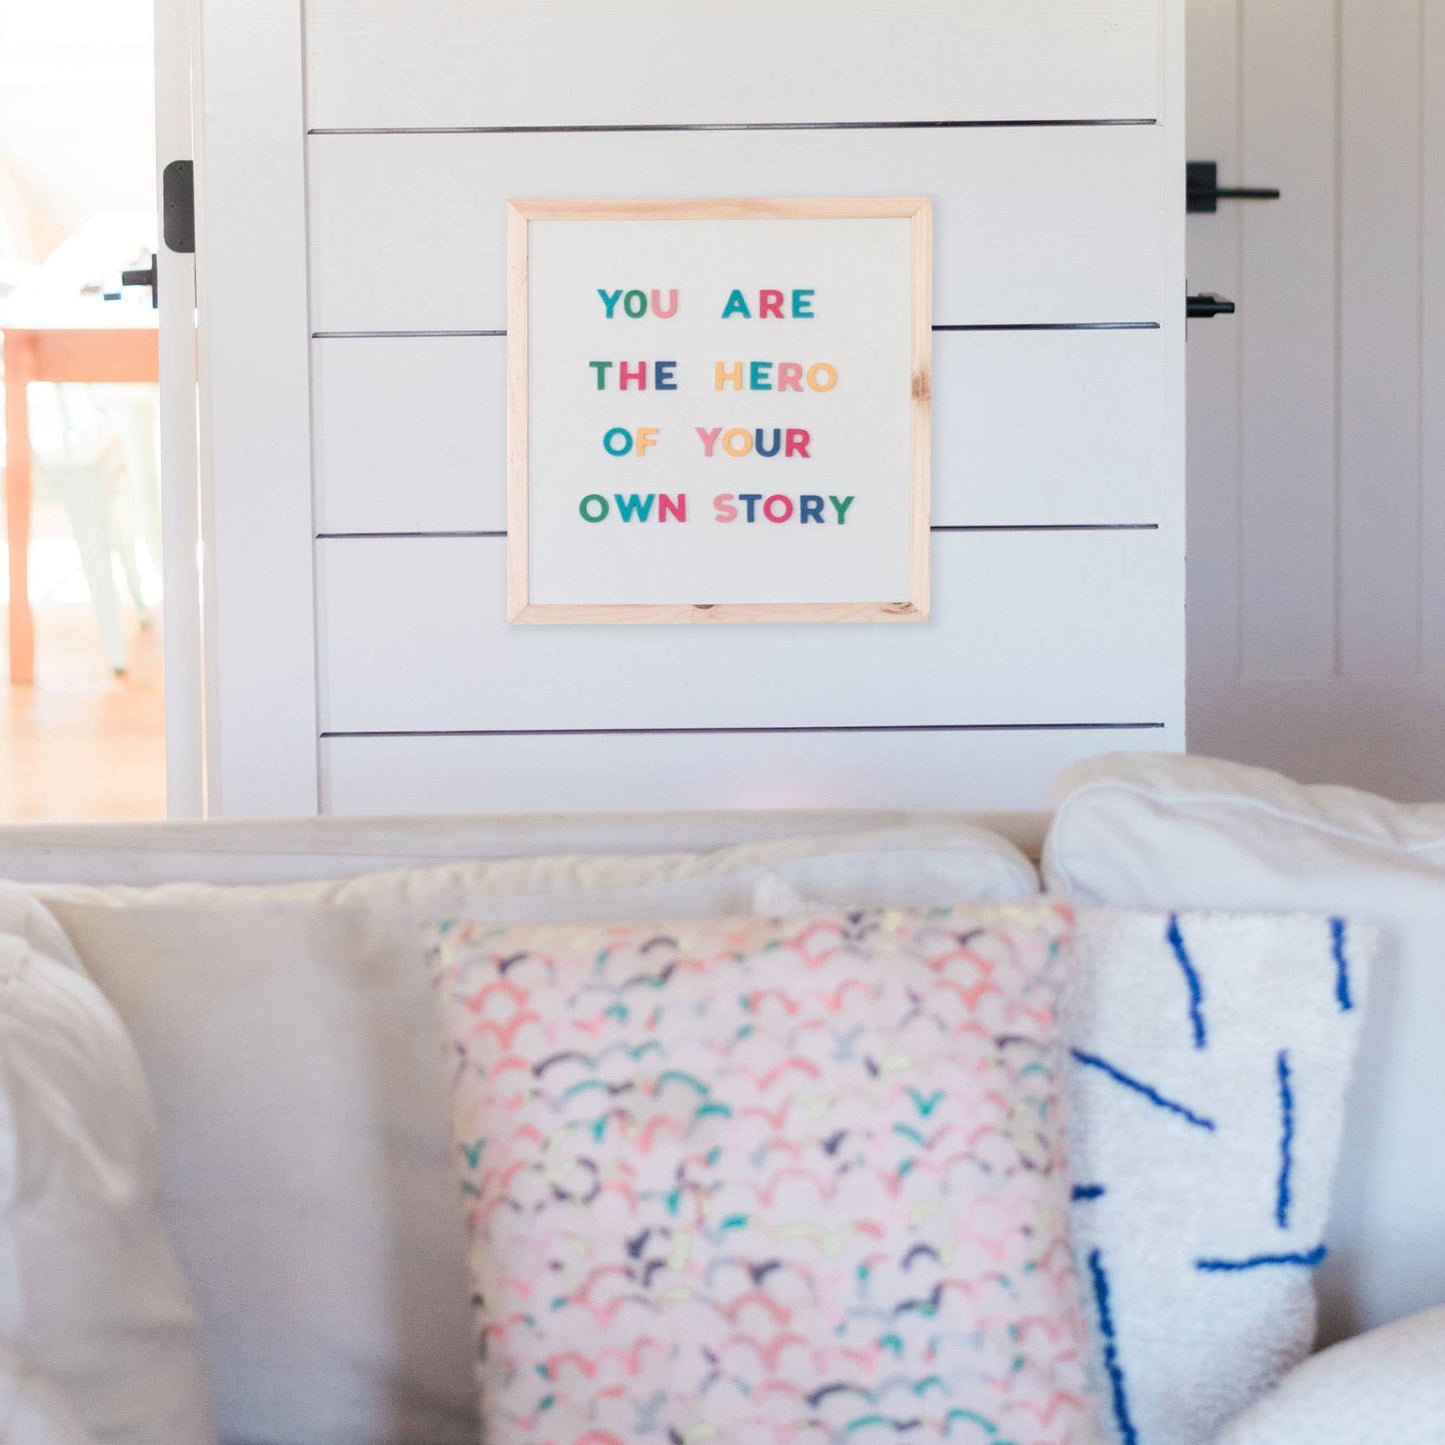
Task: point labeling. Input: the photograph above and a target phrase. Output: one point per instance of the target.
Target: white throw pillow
(97, 1335)
(1187, 833)
(290, 1036)
(1211, 1056)
(1388, 1385)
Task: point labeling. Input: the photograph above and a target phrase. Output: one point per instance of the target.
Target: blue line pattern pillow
(1211, 1056)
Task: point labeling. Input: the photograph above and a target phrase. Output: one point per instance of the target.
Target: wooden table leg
(19, 365)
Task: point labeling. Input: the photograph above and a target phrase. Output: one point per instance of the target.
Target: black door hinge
(178, 206)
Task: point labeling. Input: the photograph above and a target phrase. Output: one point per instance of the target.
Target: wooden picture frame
(911, 601)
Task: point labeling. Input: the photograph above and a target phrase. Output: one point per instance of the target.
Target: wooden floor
(81, 743)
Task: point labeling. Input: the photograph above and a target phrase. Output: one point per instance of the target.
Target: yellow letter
(733, 374)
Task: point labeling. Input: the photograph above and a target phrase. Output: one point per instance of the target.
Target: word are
(727, 507)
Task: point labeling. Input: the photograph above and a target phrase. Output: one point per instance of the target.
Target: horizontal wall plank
(1042, 627)
(721, 770)
(1031, 428)
(640, 62)
(1030, 225)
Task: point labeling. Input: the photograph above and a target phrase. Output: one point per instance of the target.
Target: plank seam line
(992, 527)
(938, 326)
(726, 731)
(713, 126)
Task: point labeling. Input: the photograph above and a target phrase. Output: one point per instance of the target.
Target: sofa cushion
(1188, 833)
(756, 1180)
(97, 1334)
(290, 1037)
(1211, 1056)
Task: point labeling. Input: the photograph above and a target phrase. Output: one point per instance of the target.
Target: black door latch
(1204, 193)
(1207, 304)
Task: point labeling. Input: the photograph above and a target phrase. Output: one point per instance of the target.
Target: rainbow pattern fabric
(756, 1181)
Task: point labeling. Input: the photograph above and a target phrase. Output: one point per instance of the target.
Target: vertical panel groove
(1337, 588)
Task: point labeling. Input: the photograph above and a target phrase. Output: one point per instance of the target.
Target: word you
(727, 507)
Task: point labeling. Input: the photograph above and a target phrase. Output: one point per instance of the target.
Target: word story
(713, 443)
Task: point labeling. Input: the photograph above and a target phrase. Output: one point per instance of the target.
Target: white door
(1317, 415)
(180, 519)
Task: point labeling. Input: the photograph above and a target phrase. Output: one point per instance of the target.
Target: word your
(750, 506)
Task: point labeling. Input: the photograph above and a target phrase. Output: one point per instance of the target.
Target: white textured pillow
(1211, 1055)
(1388, 1385)
(1187, 833)
(97, 1335)
(328, 1255)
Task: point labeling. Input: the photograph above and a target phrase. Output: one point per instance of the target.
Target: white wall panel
(629, 771)
(1030, 225)
(1027, 628)
(445, 63)
(1031, 428)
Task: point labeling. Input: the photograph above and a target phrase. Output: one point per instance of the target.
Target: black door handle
(1207, 304)
(149, 277)
(1204, 193)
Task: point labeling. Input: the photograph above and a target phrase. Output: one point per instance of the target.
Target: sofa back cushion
(1191, 834)
(292, 1043)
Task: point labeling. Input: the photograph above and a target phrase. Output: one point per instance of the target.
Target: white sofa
(430, 1353)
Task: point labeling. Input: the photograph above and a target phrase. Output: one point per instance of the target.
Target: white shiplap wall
(1058, 554)
(1317, 448)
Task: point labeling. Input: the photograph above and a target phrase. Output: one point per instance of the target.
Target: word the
(632, 376)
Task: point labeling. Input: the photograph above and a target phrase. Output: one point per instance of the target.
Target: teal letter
(612, 451)
(609, 300)
(736, 306)
(600, 501)
(635, 506)
(802, 304)
(601, 368)
(841, 508)
(758, 378)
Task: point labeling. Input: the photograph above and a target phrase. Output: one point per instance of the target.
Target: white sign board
(719, 410)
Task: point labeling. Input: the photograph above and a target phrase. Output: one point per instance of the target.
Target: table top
(37, 309)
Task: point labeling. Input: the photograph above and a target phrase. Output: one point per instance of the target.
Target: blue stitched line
(1342, 967)
(1083, 1193)
(1112, 1366)
(1260, 1261)
(1153, 1096)
(1286, 1141)
(1196, 989)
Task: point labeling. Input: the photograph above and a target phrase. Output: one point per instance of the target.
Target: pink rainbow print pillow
(766, 1181)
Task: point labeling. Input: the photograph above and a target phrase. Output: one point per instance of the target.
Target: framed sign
(718, 410)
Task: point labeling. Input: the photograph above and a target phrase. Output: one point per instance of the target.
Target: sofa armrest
(1388, 1384)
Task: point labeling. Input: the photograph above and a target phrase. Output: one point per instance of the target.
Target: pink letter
(666, 504)
(770, 303)
(709, 439)
(671, 304)
(626, 374)
(790, 376)
(797, 444)
(723, 506)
